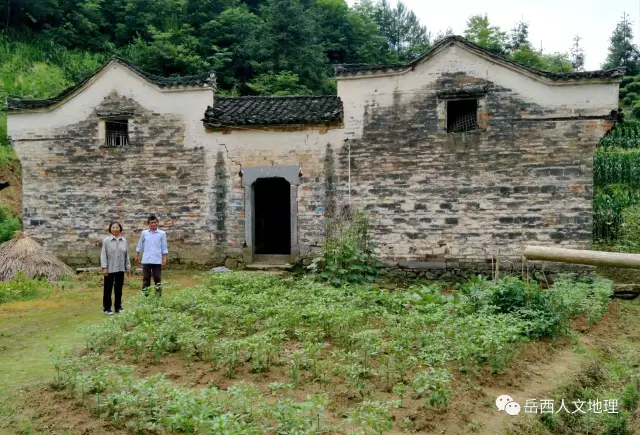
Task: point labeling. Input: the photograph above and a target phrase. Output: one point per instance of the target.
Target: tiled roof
(354, 69)
(206, 79)
(273, 111)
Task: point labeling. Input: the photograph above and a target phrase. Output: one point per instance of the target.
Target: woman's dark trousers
(110, 281)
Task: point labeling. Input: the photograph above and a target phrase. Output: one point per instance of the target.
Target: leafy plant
(21, 288)
(348, 253)
(9, 223)
(374, 416)
(433, 384)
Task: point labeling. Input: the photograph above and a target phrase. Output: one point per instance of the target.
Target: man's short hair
(152, 218)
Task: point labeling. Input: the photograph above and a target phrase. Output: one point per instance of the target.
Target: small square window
(462, 115)
(117, 133)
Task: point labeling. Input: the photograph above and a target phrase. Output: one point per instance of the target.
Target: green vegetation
(616, 167)
(7, 155)
(36, 68)
(606, 389)
(21, 288)
(9, 223)
(347, 253)
(361, 339)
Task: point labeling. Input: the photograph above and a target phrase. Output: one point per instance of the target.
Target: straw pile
(22, 253)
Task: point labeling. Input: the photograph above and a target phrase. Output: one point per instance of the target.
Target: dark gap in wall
(462, 115)
(117, 132)
(272, 216)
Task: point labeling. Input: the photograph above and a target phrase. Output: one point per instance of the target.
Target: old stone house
(457, 156)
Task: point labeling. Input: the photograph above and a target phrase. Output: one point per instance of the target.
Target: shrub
(626, 80)
(21, 288)
(630, 98)
(9, 224)
(630, 397)
(347, 253)
(632, 87)
(543, 313)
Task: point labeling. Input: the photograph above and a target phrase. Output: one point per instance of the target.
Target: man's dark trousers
(147, 271)
(109, 280)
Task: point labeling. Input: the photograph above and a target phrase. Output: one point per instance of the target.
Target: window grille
(117, 133)
(462, 115)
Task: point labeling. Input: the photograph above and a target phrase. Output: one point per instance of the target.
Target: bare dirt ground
(12, 195)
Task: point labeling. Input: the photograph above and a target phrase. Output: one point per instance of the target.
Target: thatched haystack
(22, 253)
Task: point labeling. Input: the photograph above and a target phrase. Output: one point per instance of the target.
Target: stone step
(271, 259)
(269, 266)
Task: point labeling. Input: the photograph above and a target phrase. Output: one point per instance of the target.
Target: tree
(481, 32)
(519, 37)
(622, 51)
(230, 41)
(405, 35)
(577, 54)
(441, 35)
(527, 56)
(168, 53)
(289, 42)
(557, 62)
(284, 83)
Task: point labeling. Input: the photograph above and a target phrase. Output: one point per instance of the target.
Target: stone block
(231, 263)
(423, 265)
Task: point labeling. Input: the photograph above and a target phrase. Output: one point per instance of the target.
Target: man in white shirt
(153, 243)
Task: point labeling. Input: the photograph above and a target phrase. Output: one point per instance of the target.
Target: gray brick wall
(457, 199)
(73, 185)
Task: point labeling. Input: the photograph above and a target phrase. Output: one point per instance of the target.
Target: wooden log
(576, 256)
(88, 269)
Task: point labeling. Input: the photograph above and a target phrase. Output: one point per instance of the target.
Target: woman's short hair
(115, 223)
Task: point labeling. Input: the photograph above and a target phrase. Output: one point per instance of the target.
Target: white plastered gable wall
(567, 98)
(188, 103)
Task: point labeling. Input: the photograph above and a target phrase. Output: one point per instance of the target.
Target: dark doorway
(272, 216)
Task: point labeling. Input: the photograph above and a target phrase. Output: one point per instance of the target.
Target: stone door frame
(291, 174)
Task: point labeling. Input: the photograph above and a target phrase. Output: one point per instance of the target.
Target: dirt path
(540, 378)
(539, 371)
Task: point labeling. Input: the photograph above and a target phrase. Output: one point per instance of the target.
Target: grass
(29, 328)
(7, 154)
